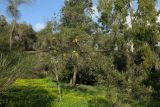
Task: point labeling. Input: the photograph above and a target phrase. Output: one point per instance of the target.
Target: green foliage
(147, 11)
(4, 34)
(26, 37)
(114, 14)
(145, 57)
(45, 37)
(14, 65)
(73, 13)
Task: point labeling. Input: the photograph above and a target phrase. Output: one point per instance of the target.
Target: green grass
(43, 93)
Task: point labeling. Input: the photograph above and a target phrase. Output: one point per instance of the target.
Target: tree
(76, 28)
(45, 37)
(57, 66)
(14, 12)
(3, 21)
(26, 37)
(4, 30)
(133, 63)
(113, 19)
(149, 34)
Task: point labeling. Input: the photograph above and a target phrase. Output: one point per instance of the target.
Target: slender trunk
(11, 33)
(74, 77)
(71, 82)
(131, 10)
(58, 86)
(14, 23)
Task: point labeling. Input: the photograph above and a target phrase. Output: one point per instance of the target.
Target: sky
(39, 12)
(36, 13)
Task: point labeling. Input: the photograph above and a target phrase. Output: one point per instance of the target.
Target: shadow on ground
(99, 102)
(154, 101)
(26, 97)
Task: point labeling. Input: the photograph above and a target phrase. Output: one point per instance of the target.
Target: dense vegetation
(79, 62)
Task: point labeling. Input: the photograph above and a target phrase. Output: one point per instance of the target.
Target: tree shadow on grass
(26, 97)
(99, 102)
(154, 101)
(91, 90)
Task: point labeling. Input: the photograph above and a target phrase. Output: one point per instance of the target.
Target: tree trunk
(14, 24)
(11, 33)
(74, 77)
(131, 10)
(58, 86)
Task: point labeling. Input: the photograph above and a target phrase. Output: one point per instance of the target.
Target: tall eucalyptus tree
(14, 12)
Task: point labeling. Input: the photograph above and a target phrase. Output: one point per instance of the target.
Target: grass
(43, 93)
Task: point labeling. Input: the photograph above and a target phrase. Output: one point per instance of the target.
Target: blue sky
(38, 12)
